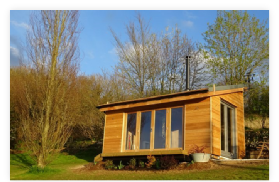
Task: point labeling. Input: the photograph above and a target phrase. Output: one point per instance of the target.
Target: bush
(168, 162)
(253, 137)
(141, 164)
(132, 163)
(158, 164)
(150, 161)
(109, 165)
(121, 166)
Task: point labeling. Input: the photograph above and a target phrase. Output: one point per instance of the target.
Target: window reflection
(145, 127)
(176, 127)
(160, 129)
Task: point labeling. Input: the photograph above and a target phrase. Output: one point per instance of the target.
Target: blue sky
(96, 42)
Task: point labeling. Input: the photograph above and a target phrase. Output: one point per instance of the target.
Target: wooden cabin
(170, 124)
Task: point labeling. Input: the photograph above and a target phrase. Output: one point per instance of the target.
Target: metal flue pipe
(187, 73)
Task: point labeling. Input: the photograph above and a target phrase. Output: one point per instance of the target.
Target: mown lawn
(65, 168)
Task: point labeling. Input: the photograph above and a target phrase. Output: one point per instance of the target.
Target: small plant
(109, 165)
(141, 164)
(132, 163)
(196, 149)
(190, 163)
(168, 162)
(121, 166)
(95, 163)
(150, 161)
(158, 164)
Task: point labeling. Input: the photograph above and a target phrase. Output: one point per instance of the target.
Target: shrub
(121, 166)
(150, 161)
(168, 162)
(109, 165)
(196, 149)
(158, 164)
(132, 163)
(141, 164)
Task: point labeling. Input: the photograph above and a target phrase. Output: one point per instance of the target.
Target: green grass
(62, 169)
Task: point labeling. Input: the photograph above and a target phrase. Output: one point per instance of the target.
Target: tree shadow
(88, 153)
(21, 160)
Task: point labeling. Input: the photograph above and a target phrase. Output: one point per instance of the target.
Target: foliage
(121, 166)
(158, 164)
(257, 100)
(141, 164)
(253, 137)
(168, 162)
(132, 163)
(150, 161)
(196, 149)
(236, 44)
(109, 164)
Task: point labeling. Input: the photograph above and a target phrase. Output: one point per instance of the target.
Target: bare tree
(47, 89)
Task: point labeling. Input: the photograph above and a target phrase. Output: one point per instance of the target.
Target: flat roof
(184, 93)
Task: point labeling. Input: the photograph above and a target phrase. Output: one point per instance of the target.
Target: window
(131, 131)
(176, 127)
(160, 129)
(145, 128)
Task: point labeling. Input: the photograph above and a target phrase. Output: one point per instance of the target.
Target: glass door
(228, 140)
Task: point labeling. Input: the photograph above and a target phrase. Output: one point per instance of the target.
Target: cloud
(90, 54)
(188, 23)
(113, 51)
(22, 25)
(190, 15)
(14, 56)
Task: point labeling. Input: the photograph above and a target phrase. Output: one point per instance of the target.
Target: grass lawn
(65, 167)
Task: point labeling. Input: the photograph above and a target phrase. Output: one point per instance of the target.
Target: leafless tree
(47, 89)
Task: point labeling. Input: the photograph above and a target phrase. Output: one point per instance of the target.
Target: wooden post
(213, 87)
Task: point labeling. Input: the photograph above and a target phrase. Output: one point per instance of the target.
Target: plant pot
(201, 157)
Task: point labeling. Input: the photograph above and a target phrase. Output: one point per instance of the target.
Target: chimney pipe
(187, 73)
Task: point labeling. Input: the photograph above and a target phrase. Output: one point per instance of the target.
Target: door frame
(225, 152)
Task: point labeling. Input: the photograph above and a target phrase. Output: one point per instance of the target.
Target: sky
(96, 42)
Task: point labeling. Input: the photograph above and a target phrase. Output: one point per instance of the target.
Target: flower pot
(201, 157)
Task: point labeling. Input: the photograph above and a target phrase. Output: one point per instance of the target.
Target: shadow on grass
(21, 160)
(87, 154)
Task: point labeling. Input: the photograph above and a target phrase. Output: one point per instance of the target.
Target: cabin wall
(113, 132)
(197, 128)
(235, 99)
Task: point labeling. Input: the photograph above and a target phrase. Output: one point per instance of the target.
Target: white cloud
(90, 54)
(113, 51)
(22, 24)
(14, 56)
(14, 51)
(190, 15)
(188, 23)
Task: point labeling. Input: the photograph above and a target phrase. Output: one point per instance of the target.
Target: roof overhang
(180, 96)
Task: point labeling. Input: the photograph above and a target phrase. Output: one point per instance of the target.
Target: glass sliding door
(176, 127)
(131, 131)
(145, 129)
(160, 129)
(228, 130)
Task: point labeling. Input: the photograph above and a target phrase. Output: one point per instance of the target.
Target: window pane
(176, 127)
(145, 127)
(222, 128)
(131, 131)
(160, 129)
(229, 130)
